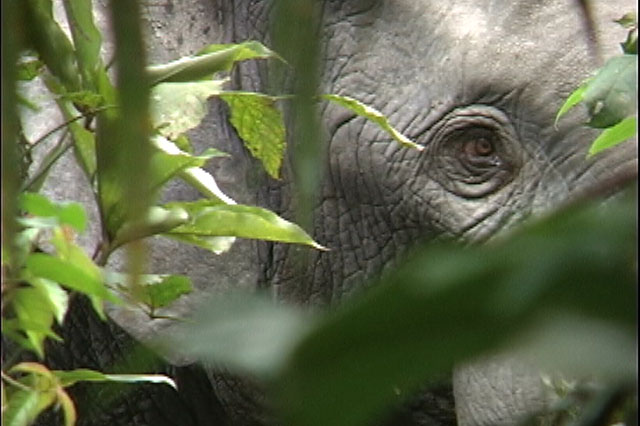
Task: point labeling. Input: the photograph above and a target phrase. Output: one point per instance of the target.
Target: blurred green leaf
(86, 39)
(574, 99)
(69, 378)
(204, 182)
(57, 298)
(156, 290)
(157, 220)
(628, 20)
(21, 409)
(249, 334)
(260, 125)
(178, 107)
(84, 99)
(35, 316)
(30, 69)
(71, 214)
(52, 44)
(447, 304)
(72, 276)
(68, 408)
(208, 61)
(168, 161)
(611, 94)
(373, 115)
(168, 290)
(626, 129)
(211, 219)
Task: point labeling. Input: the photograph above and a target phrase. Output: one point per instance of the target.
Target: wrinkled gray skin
(449, 75)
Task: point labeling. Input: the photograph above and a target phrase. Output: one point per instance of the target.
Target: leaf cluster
(611, 95)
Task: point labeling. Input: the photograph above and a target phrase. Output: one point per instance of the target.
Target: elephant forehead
(463, 46)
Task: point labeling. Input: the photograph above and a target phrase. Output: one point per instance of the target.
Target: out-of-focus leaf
(201, 180)
(211, 219)
(71, 275)
(611, 94)
(165, 292)
(28, 70)
(448, 304)
(58, 298)
(52, 44)
(260, 125)
(85, 99)
(86, 39)
(21, 409)
(178, 107)
(628, 20)
(612, 136)
(245, 333)
(574, 99)
(208, 61)
(373, 115)
(71, 214)
(169, 161)
(156, 221)
(85, 148)
(69, 378)
(35, 316)
(156, 290)
(68, 408)
(216, 245)
(41, 380)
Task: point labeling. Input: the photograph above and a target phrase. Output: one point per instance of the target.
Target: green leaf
(202, 180)
(626, 129)
(169, 161)
(21, 409)
(448, 304)
(58, 298)
(84, 142)
(155, 290)
(68, 408)
(178, 107)
(70, 274)
(69, 378)
(611, 94)
(165, 292)
(260, 125)
(216, 245)
(373, 115)
(51, 43)
(628, 20)
(239, 221)
(71, 214)
(247, 333)
(84, 99)
(208, 61)
(35, 316)
(28, 70)
(574, 99)
(156, 221)
(86, 39)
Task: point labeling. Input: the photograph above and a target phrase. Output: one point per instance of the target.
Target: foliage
(536, 289)
(611, 95)
(569, 274)
(42, 262)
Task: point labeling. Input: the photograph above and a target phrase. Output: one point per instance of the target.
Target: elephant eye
(473, 152)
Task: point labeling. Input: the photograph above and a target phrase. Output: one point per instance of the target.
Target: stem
(56, 152)
(16, 383)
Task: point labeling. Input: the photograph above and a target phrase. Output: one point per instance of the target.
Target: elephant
(476, 83)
